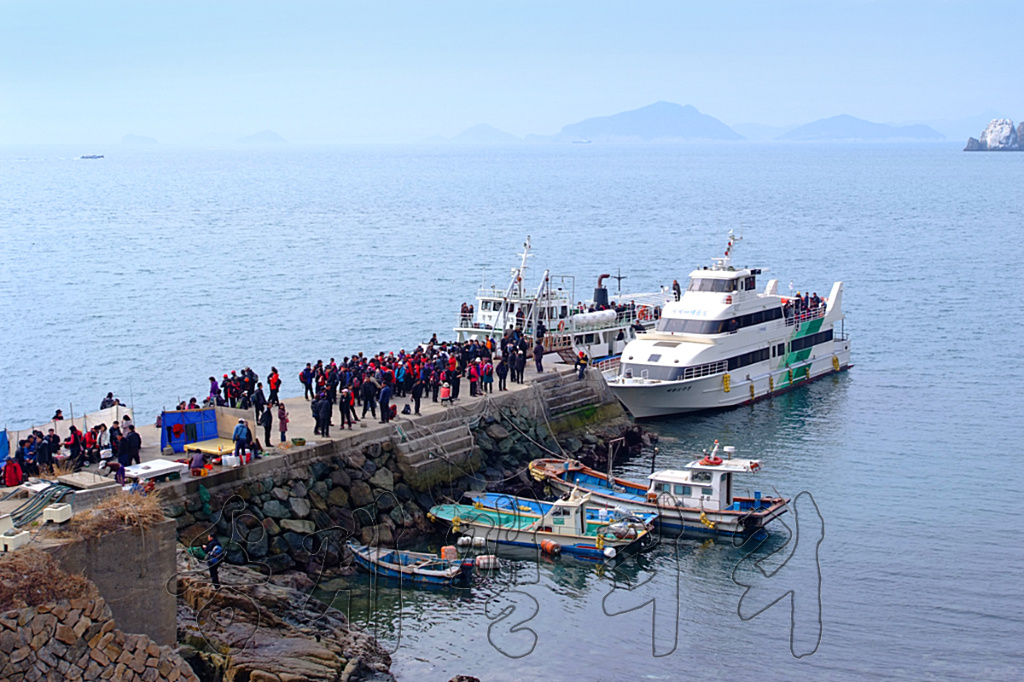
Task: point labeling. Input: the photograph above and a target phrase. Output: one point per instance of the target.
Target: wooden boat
(412, 567)
(564, 525)
(697, 498)
(530, 507)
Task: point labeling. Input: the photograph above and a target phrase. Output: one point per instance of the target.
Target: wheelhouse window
(715, 285)
(682, 490)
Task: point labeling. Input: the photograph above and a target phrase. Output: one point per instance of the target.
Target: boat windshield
(708, 284)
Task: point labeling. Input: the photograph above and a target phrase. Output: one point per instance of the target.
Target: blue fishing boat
(412, 567)
(562, 528)
(524, 505)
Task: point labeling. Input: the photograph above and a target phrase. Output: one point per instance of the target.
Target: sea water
(147, 271)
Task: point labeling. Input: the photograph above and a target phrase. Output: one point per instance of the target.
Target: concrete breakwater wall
(295, 511)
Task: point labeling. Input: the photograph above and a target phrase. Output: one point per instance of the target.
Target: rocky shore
(998, 136)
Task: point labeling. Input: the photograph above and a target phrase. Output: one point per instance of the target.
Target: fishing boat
(699, 497)
(724, 343)
(92, 156)
(563, 528)
(600, 327)
(602, 515)
(412, 567)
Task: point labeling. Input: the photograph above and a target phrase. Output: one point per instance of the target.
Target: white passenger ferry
(600, 327)
(725, 343)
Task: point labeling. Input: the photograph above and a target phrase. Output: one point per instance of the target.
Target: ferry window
(748, 283)
(706, 492)
(588, 338)
(654, 358)
(757, 318)
(781, 349)
(811, 340)
(715, 285)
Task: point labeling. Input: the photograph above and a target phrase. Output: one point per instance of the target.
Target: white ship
(725, 343)
(600, 327)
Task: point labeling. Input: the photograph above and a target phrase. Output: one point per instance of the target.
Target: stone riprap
(79, 640)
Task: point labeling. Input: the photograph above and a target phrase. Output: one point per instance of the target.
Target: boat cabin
(566, 516)
(705, 483)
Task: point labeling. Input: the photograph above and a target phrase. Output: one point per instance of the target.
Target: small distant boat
(563, 528)
(581, 141)
(92, 156)
(413, 567)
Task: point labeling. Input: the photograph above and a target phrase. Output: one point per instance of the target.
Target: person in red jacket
(274, 381)
(12, 472)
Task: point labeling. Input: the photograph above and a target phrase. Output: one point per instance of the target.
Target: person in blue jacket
(214, 556)
(241, 437)
(385, 407)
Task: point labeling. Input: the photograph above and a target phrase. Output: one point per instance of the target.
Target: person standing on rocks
(282, 420)
(214, 555)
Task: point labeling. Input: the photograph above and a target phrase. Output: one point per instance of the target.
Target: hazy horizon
(317, 72)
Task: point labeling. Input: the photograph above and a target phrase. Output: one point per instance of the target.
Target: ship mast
(724, 262)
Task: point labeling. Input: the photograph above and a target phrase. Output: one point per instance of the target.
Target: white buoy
(464, 541)
(487, 562)
(479, 542)
(610, 552)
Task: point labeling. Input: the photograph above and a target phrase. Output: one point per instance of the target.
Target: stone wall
(298, 514)
(79, 640)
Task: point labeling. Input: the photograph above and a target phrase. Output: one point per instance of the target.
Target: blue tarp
(5, 447)
(177, 429)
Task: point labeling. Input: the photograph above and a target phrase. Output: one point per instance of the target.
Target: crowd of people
(39, 453)
(807, 306)
(357, 385)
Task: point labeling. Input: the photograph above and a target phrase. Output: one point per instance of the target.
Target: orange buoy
(449, 553)
(550, 547)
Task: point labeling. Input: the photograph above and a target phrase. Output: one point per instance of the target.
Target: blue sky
(399, 71)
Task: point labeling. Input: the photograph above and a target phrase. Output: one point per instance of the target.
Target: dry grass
(59, 469)
(30, 577)
(120, 510)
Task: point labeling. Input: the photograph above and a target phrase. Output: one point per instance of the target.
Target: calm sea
(147, 271)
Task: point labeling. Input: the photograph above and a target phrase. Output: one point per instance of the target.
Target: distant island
(658, 122)
(264, 137)
(137, 139)
(850, 128)
(998, 136)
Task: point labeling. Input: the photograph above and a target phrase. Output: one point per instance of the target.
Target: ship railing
(705, 370)
(806, 315)
(608, 366)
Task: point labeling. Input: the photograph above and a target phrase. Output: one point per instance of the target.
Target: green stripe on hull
(806, 329)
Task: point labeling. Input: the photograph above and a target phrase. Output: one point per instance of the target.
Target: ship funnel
(601, 293)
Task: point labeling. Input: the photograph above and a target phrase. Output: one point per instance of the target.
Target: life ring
(561, 326)
(712, 461)
(642, 313)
